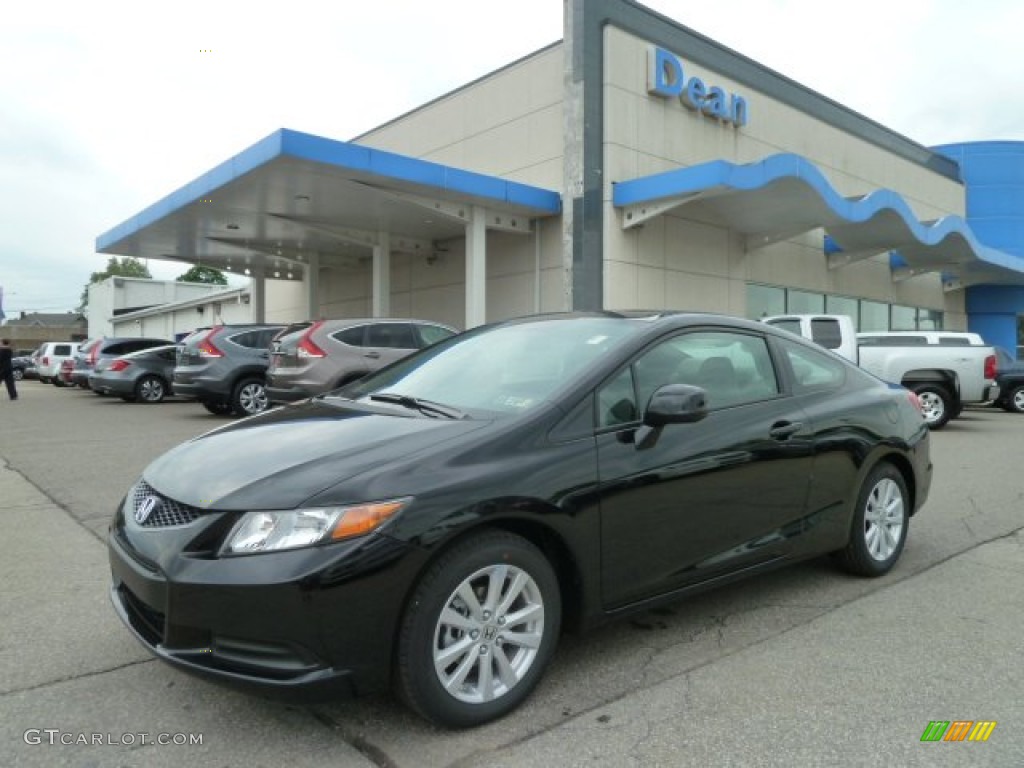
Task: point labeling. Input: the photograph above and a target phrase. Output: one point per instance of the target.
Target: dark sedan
(437, 524)
(24, 367)
(143, 376)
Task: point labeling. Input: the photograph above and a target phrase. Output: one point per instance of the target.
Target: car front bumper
(303, 624)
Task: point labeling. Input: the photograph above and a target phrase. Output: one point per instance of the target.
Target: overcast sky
(108, 106)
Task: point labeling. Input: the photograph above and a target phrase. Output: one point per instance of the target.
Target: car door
(689, 502)
(387, 342)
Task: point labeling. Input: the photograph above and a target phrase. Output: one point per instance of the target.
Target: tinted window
(351, 336)
(793, 326)
(431, 334)
(813, 370)
(954, 341)
(731, 368)
(616, 400)
(825, 331)
(62, 349)
(391, 335)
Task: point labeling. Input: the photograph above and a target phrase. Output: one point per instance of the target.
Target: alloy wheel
(488, 634)
(884, 517)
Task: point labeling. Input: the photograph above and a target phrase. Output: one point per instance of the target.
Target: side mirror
(676, 404)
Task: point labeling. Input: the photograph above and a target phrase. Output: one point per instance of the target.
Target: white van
(49, 357)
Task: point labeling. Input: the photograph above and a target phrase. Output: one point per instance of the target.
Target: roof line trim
(729, 177)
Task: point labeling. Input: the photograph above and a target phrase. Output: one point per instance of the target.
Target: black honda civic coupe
(437, 525)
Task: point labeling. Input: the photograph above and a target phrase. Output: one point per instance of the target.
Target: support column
(313, 287)
(382, 275)
(258, 294)
(476, 268)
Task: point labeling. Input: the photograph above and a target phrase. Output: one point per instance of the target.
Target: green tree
(126, 267)
(201, 274)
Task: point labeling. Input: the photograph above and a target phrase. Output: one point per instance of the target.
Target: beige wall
(681, 261)
(507, 124)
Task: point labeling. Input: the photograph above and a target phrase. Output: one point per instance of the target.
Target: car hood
(279, 459)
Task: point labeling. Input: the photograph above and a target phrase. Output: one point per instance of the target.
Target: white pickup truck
(946, 369)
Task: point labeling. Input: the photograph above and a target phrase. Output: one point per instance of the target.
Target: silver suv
(330, 353)
(224, 367)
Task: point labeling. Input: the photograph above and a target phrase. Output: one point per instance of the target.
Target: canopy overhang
(785, 195)
(293, 196)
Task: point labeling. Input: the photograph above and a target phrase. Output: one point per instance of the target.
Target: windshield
(507, 369)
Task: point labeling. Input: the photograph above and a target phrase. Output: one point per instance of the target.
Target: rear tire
(150, 389)
(880, 523)
(249, 397)
(479, 629)
(936, 404)
(1014, 402)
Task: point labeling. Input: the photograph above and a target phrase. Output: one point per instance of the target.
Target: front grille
(165, 512)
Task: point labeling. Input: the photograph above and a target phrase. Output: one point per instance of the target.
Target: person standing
(7, 367)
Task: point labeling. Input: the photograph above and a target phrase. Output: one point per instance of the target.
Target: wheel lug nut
(474, 634)
(501, 621)
(487, 615)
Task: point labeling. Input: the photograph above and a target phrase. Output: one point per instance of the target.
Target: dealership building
(633, 164)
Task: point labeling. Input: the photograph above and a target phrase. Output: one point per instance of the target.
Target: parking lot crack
(74, 678)
(356, 740)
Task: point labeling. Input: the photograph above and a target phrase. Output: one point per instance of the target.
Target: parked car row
(227, 368)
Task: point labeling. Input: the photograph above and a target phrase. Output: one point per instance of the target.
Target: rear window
(391, 336)
(825, 331)
(431, 334)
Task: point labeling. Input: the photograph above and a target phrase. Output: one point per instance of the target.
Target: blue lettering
(714, 104)
(695, 94)
(665, 73)
(665, 77)
(738, 110)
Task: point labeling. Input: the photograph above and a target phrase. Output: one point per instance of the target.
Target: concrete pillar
(476, 268)
(312, 282)
(382, 275)
(258, 294)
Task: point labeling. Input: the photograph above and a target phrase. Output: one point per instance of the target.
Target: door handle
(373, 355)
(784, 430)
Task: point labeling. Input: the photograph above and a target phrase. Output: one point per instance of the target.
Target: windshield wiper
(423, 406)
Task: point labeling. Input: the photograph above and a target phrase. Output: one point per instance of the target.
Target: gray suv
(330, 353)
(224, 367)
(107, 348)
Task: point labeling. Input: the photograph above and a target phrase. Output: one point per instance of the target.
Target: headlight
(289, 529)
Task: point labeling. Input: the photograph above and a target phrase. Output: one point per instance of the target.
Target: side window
(732, 368)
(168, 354)
(352, 336)
(265, 336)
(812, 369)
(431, 334)
(62, 349)
(391, 335)
(120, 348)
(616, 400)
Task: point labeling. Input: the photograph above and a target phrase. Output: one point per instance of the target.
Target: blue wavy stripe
(837, 211)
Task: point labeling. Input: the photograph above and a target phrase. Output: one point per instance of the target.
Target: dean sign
(666, 77)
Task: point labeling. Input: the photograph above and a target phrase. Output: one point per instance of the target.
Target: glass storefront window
(765, 300)
(874, 316)
(804, 303)
(903, 318)
(842, 305)
(929, 320)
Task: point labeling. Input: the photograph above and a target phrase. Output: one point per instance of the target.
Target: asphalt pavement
(803, 667)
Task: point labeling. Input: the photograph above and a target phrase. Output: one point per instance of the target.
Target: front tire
(880, 523)
(479, 630)
(936, 404)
